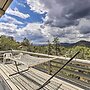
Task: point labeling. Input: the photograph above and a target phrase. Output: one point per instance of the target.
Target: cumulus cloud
(9, 19)
(17, 13)
(67, 19)
(8, 29)
(39, 33)
(63, 13)
(36, 6)
(85, 29)
(32, 31)
(84, 26)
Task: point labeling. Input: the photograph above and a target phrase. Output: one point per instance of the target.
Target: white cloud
(11, 19)
(40, 33)
(16, 12)
(8, 29)
(36, 6)
(31, 30)
(8, 26)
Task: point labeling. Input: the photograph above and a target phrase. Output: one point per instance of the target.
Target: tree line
(52, 48)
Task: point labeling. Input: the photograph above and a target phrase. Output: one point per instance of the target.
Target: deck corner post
(49, 67)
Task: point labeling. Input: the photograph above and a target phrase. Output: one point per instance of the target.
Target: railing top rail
(51, 56)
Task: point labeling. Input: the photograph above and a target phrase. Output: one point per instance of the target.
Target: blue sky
(25, 9)
(42, 20)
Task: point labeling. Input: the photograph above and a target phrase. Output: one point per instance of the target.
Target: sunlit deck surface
(32, 79)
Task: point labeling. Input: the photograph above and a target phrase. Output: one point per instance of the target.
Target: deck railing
(76, 72)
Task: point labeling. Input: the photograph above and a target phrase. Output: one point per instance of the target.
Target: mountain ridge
(79, 43)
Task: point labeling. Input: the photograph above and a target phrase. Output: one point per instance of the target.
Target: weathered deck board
(36, 79)
(20, 78)
(5, 74)
(32, 79)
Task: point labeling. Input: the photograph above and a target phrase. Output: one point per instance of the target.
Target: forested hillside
(52, 48)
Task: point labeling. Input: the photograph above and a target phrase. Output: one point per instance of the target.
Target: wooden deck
(32, 79)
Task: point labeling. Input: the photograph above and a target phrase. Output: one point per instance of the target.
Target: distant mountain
(66, 44)
(79, 43)
(83, 43)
